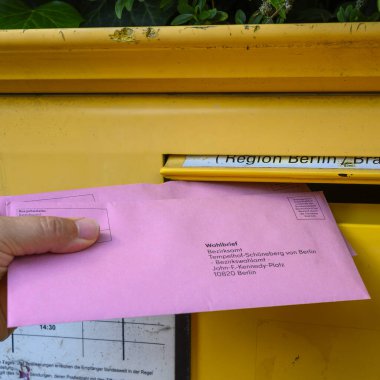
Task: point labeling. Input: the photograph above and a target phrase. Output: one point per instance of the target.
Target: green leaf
(16, 14)
(220, 16)
(201, 4)
(121, 4)
(256, 18)
(129, 5)
(185, 7)
(182, 19)
(240, 17)
(102, 13)
(207, 15)
(349, 14)
(378, 5)
(340, 15)
(166, 3)
(149, 13)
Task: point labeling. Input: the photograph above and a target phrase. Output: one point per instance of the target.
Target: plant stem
(275, 13)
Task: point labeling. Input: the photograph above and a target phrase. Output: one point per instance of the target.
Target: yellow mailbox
(84, 108)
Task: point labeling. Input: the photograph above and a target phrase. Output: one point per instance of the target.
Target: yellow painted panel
(60, 142)
(91, 130)
(227, 58)
(315, 352)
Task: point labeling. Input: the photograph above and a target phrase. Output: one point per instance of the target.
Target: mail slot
(318, 169)
(64, 139)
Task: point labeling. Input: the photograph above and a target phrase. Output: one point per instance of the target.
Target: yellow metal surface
(76, 141)
(60, 142)
(228, 58)
(175, 170)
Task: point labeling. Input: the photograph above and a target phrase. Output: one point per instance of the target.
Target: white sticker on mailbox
(289, 162)
(118, 349)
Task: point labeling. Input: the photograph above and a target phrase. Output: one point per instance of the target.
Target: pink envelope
(187, 255)
(168, 190)
(140, 191)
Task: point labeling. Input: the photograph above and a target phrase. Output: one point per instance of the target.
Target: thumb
(29, 235)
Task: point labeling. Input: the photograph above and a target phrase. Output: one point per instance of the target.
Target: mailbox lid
(342, 57)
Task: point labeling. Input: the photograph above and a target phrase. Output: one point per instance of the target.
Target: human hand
(29, 235)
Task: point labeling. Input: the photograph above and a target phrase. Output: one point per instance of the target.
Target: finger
(40, 234)
(33, 234)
